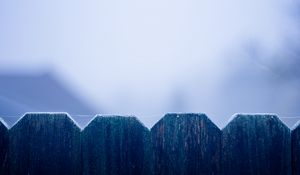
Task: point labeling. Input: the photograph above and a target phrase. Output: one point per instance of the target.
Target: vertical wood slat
(3, 148)
(114, 145)
(186, 144)
(256, 145)
(45, 144)
(296, 149)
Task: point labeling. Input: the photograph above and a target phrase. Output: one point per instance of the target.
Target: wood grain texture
(45, 144)
(186, 144)
(256, 145)
(116, 145)
(3, 148)
(296, 150)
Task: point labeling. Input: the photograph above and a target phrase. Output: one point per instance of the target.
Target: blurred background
(147, 58)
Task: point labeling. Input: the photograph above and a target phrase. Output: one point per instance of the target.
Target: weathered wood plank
(256, 145)
(186, 144)
(3, 148)
(115, 145)
(45, 144)
(296, 149)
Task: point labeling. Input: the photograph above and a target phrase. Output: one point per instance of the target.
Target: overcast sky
(147, 58)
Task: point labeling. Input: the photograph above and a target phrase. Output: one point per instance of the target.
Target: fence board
(3, 147)
(45, 144)
(114, 145)
(256, 145)
(186, 144)
(296, 150)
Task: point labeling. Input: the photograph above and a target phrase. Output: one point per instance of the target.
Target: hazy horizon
(148, 58)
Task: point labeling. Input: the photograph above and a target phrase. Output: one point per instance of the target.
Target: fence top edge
(185, 113)
(265, 115)
(171, 113)
(65, 114)
(296, 125)
(178, 115)
(97, 116)
(2, 122)
(236, 115)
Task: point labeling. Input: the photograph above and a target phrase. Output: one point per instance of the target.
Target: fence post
(296, 149)
(186, 144)
(114, 145)
(256, 144)
(45, 144)
(3, 147)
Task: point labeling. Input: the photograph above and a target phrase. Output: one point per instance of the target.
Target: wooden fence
(178, 144)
